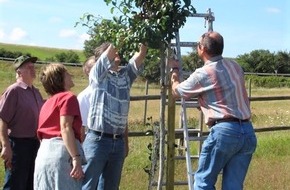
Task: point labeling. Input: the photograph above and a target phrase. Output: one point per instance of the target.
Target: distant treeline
(64, 57)
(190, 62)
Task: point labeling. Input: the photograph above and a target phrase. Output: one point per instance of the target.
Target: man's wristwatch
(174, 68)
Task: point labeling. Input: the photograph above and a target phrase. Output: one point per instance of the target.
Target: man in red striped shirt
(220, 88)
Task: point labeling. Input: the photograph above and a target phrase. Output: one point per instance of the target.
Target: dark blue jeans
(20, 177)
(228, 148)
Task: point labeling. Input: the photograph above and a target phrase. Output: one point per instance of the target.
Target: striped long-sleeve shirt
(220, 88)
(110, 98)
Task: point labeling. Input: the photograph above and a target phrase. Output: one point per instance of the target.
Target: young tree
(153, 22)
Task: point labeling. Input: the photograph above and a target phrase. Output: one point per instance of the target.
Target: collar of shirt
(22, 84)
(214, 59)
(115, 73)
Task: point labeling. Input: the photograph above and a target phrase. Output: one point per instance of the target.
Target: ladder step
(190, 130)
(183, 157)
(196, 138)
(185, 44)
(181, 183)
(189, 104)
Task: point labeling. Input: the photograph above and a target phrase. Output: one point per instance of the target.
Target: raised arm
(111, 52)
(140, 56)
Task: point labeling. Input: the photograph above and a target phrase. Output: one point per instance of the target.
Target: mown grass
(268, 170)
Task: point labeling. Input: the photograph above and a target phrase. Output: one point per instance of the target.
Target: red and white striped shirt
(220, 88)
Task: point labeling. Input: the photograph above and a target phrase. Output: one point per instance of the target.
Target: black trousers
(20, 177)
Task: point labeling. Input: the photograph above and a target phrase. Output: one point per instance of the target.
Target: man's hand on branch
(173, 63)
(143, 48)
(111, 52)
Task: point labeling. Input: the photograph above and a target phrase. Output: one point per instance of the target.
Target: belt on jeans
(232, 119)
(107, 135)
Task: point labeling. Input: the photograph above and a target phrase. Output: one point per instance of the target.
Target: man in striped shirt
(220, 88)
(106, 142)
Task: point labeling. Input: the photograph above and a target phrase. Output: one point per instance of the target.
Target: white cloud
(67, 33)
(79, 43)
(17, 34)
(77, 39)
(3, 1)
(273, 10)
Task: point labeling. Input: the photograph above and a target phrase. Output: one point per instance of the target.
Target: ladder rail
(209, 18)
(187, 145)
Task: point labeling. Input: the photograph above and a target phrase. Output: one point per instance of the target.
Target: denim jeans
(105, 157)
(228, 148)
(24, 154)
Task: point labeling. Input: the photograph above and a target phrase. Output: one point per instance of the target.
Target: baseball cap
(23, 59)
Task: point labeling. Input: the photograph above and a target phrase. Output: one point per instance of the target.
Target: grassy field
(269, 169)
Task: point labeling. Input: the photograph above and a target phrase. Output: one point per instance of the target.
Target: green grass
(269, 168)
(273, 144)
(270, 165)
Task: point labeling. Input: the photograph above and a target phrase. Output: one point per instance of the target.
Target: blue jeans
(228, 148)
(105, 157)
(20, 177)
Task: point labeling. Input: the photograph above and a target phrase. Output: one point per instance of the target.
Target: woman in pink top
(60, 157)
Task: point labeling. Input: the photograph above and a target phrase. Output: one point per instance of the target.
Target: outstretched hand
(111, 52)
(140, 56)
(143, 48)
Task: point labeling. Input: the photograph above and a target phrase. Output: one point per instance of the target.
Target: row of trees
(257, 61)
(263, 61)
(11, 54)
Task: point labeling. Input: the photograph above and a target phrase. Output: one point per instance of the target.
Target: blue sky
(246, 25)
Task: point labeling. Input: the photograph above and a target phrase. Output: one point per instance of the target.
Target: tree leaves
(151, 21)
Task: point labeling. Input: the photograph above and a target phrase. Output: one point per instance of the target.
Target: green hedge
(268, 81)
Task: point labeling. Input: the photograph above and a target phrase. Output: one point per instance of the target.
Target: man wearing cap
(19, 109)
